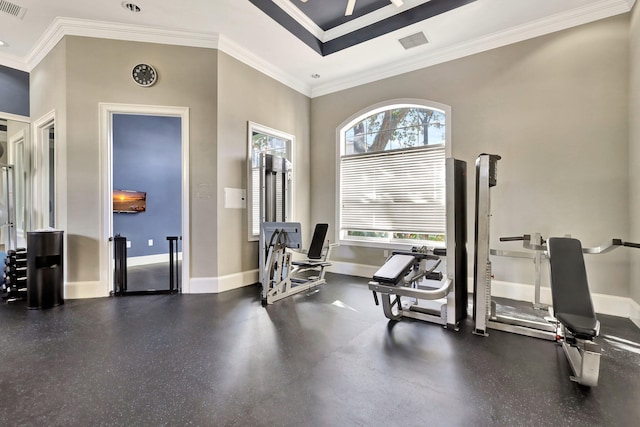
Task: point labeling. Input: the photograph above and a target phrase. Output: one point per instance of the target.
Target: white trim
(290, 9)
(14, 117)
(215, 285)
(106, 111)
(353, 25)
(81, 290)
(351, 269)
(40, 168)
(136, 261)
(61, 27)
(604, 304)
(257, 127)
(256, 62)
(13, 62)
(634, 314)
(86, 28)
(365, 112)
(22, 137)
(561, 21)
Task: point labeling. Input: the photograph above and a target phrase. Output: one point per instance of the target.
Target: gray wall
(555, 108)
(147, 156)
(14, 87)
(634, 149)
(222, 95)
(248, 95)
(187, 79)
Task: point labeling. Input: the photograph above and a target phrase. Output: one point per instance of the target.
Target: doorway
(145, 198)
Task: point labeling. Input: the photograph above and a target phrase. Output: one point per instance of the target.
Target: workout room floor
(326, 358)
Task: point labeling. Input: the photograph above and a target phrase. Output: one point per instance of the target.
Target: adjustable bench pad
(572, 303)
(394, 269)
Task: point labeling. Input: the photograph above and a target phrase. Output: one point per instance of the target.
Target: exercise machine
(536, 251)
(485, 312)
(280, 275)
(572, 320)
(419, 290)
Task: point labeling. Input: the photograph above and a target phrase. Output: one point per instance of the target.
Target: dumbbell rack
(14, 284)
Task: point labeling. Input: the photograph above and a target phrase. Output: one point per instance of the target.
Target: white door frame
(16, 143)
(107, 111)
(40, 165)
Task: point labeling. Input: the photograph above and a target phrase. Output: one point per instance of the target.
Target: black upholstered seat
(572, 303)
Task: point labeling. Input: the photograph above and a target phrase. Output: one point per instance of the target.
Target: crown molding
(61, 27)
(290, 9)
(13, 62)
(249, 58)
(548, 25)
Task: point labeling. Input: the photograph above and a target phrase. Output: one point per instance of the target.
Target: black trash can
(45, 269)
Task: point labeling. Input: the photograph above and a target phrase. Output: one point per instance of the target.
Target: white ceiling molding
(61, 27)
(12, 62)
(86, 28)
(348, 27)
(301, 18)
(247, 57)
(548, 25)
(369, 19)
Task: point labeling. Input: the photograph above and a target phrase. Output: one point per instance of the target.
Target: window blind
(397, 191)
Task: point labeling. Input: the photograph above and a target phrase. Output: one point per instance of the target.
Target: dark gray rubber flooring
(327, 358)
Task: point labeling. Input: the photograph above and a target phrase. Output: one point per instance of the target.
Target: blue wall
(14, 91)
(147, 157)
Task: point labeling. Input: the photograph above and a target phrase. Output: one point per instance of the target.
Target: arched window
(392, 174)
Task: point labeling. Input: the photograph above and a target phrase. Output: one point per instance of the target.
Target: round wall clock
(144, 75)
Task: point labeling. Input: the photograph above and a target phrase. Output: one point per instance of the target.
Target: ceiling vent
(414, 40)
(12, 9)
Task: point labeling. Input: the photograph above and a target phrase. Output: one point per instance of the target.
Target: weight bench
(400, 276)
(573, 308)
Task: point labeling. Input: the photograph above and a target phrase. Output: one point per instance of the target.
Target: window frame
(291, 139)
(340, 137)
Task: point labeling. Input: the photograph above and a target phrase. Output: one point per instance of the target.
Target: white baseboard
(215, 285)
(149, 259)
(350, 269)
(604, 304)
(80, 290)
(635, 313)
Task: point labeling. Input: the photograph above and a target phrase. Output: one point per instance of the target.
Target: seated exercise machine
(572, 320)
(420, 291)
(573, 308)
(280, 275)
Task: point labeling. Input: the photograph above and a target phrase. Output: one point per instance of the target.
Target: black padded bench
(572, 303)
(394, 269)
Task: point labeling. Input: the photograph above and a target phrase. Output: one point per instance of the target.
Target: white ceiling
(240, 29)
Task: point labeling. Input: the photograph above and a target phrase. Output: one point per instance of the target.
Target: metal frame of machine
(447, 303)
(280, 275)
(570, 291)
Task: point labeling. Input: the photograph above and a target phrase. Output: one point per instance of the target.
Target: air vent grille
(12, 9)
(414, 40)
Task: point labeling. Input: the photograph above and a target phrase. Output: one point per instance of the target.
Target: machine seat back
(572, 303)
(317, 241)
(394, 269)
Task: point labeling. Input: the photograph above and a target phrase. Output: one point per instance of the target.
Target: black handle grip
(511, 239)
(632, 245)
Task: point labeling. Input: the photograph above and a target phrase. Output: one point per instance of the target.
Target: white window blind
(396, 191)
